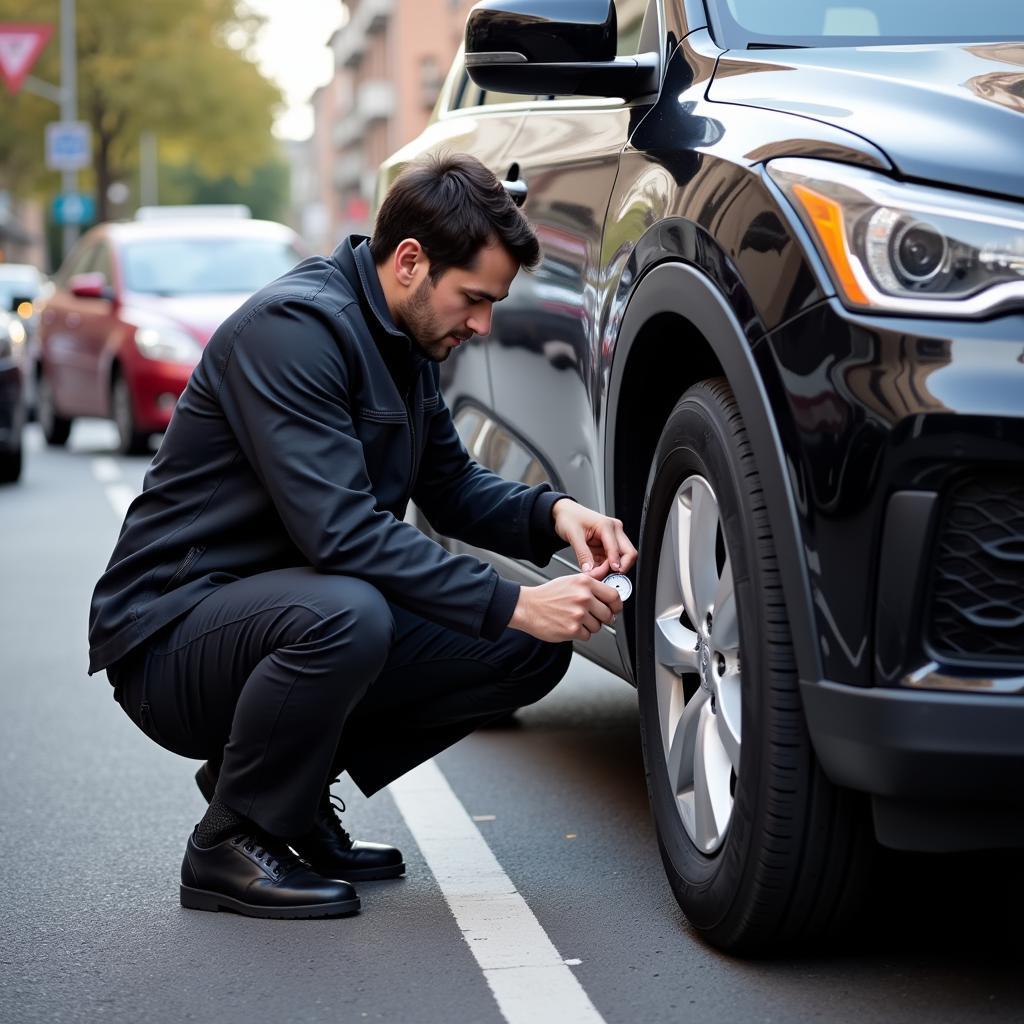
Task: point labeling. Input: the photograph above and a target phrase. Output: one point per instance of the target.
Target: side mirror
(91, 286)
(554, 48)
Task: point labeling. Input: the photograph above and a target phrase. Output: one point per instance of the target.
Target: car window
(102, 264)
(744, 23)
(466, 93)
(492, 98)
(77, 262)
(204, 266)
(18, 283)
(630, 18)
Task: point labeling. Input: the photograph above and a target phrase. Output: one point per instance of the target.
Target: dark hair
(453, 206)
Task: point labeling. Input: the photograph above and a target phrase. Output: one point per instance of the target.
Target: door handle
(515, 186)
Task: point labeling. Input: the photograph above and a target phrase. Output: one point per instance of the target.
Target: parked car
(13, 336)
(778, 331)
(23, 291)
(133, 307)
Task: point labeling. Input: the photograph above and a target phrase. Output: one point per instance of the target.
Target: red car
(133, 307)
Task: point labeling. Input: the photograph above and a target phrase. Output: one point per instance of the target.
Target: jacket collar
(354, 257)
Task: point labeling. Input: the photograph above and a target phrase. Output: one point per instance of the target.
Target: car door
(98, 326)
(61, 335)
(544, 348)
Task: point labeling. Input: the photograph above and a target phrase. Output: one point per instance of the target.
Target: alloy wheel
(697, 671)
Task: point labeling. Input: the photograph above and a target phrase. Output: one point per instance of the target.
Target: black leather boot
(327, 847)
(260, 877)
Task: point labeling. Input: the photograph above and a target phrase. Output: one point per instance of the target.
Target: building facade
(390, 59)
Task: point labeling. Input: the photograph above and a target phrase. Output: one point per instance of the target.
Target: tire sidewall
(696, 440)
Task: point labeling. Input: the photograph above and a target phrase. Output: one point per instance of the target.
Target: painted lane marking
(106, 470)
(119, 494)
(528, 978)
(120, 497)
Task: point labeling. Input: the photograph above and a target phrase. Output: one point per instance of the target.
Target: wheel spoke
(684, 741)
(712, 800)
(675, 646)
(726, 630)
(668, 599)
(728, 710)
(697, 540)
(670, 703)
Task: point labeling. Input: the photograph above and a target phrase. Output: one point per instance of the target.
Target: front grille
(977, 596)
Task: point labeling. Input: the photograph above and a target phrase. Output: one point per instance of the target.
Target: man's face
(441, 316)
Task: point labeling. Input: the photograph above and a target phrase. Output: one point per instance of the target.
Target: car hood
(950, 114)
(200, 315)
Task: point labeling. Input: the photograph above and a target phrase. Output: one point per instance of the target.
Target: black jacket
(294, 445)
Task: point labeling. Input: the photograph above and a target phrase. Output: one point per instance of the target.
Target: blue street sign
(72, 208)
(68, 145)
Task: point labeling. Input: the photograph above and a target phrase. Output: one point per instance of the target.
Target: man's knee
(351, 623)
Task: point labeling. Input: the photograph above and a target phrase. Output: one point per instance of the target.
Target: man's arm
(463, 500)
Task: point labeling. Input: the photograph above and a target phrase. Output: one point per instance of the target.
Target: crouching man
(267, 610)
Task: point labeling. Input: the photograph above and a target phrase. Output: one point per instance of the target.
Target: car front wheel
(130, 440)
(56, 428)
(759, 848)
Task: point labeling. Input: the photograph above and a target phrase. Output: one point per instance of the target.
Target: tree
(180, 68)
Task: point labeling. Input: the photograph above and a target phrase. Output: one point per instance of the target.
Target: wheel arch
(710, 342)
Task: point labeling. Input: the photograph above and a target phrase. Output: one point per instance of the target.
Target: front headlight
(168, 344)
(12, 338)
(895, 247)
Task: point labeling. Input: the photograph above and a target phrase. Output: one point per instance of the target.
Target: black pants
(290, 677)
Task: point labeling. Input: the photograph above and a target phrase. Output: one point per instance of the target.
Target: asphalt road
(95, 818)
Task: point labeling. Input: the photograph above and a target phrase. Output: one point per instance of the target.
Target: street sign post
(20, 46)
(72, 208)
(68, 145)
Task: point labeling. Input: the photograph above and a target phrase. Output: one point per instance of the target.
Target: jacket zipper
(187, 562)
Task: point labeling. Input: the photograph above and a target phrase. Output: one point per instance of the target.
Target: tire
(56, 428)
(760, 849)
(130, 440)
(10, 465)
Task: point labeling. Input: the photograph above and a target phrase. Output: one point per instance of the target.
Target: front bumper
(905, 446)
(156, 387)
(945, 770)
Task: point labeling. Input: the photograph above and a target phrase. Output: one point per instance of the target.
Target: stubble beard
(422, 324)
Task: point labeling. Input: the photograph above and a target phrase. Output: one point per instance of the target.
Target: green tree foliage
(179, 68)
(265, 192)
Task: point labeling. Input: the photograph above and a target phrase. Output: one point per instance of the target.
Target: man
(267, 608)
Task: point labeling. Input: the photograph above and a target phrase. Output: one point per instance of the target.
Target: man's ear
(409, 262)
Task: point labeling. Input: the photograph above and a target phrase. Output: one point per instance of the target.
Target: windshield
(741, 24)
(204, 266)
(18, 283)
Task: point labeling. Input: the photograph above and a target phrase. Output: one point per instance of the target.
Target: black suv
(779, 331)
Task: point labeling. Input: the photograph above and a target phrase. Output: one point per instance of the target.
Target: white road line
(528, 978)
(105, 470)
(120, 497)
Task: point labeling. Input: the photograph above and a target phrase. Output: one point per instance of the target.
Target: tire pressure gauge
(620, 583)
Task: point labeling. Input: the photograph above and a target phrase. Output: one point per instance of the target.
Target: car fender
(684, 290)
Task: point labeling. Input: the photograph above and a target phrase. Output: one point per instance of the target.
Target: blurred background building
(390, 59)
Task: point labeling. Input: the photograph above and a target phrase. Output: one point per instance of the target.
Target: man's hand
(569, 608)
(598, 541)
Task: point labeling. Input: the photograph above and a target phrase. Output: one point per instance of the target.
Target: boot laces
(275, 855)
(334, 806)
